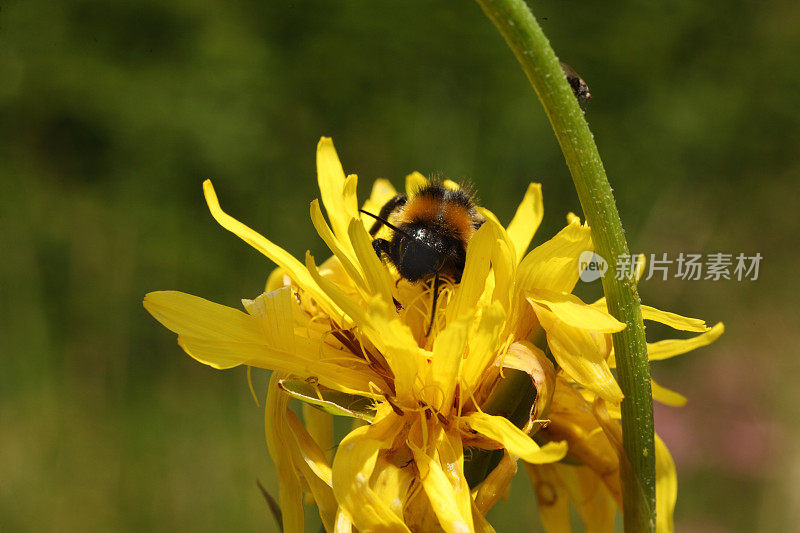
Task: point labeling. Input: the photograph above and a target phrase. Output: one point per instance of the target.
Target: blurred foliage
(112, 113)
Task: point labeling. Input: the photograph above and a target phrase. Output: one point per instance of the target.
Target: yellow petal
(553, 265)
(448, 351)
(223, 337)
(379, 281)
(351, 307)
(344, 254)
(674, 320)
(309, 461)
(311, 453)
(515, 441)
(289, 489)
(382, 192)
(414, 182)
(450, 184)
(352, 467)
(672, 347)
(445, 499)
(343, 523)
(483, 347)
(667, 396)
(380, 322)
(552, 498)
(396, 342)
(277, 279)
(578, 355)
(291, 266)
(572, 311)
(451, 457)
(193, 316)
(320, 427)
(391, 484)
(337, 192)
(476, 270)
(503, 268)
(526, 220)
(666, 488)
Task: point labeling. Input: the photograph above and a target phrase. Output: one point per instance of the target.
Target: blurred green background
(112, 114)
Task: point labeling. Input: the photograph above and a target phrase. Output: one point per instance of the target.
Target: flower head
(349, 336)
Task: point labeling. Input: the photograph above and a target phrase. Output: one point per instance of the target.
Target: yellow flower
(589, 475)
(428, 404)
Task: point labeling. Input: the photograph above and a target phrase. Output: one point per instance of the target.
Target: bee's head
(422, 252)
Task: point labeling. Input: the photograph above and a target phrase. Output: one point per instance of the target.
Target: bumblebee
(431, 232)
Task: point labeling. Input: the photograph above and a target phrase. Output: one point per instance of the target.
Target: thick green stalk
(516, 23)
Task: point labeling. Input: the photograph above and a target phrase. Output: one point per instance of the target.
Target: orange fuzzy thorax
(446, 215)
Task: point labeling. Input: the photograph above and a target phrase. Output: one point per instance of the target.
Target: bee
(579, 87)
(431, 232)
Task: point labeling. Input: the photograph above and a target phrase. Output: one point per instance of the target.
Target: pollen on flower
(439, 392)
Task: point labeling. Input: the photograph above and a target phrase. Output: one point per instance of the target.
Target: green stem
(516, 23)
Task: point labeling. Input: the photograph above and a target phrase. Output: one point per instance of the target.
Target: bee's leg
(382, 246)
(436, 282)
(387, 209)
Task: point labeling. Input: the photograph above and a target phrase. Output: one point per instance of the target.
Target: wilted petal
(590, 497)
(526, 357)
(514, 440)
(553, 499)
(491, 489)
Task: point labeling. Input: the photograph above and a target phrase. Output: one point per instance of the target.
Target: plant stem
(516, 23)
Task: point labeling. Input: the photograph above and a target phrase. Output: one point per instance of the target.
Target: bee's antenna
(391, 227)
(436, 282)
